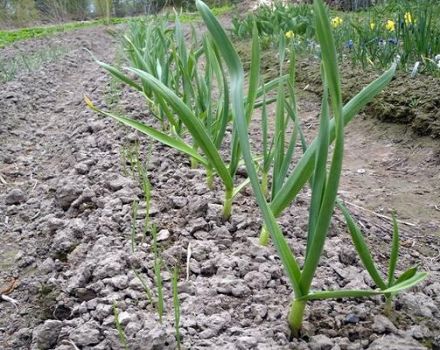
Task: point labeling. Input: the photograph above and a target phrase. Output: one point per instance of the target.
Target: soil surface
(66, 225)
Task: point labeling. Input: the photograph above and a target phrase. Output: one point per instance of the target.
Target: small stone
(46, 335)
(197, 225)
(221, 233)
(15, 196)
(67, 194)
(351, 319)
(257, 280)
(178, 202)
(47, 266)
(102, 311)
(53, 224)
(200, 250)
(214, 211)
(64, 242)
(247, 342)
(163, 235)
(132, 329)
(82, 168)
(87, 334)
(207, 333)
(382, 325)
(85, 294)
(97, 125)
(235, 288)
(347, 256)
(125, 317)
(198, 206)
(111, 265)
(119, 282)
(419, 303)
(420, 332)
(320, 342)
(392, 342)
(119, 183)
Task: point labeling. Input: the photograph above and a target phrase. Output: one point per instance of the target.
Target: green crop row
(201, 104)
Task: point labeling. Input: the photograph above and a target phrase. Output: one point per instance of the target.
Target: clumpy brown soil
(414, 102)
(65, 228)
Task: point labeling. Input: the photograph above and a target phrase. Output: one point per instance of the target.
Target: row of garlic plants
(196, 88)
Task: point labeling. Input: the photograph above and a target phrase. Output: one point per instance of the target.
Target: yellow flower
(390, 25)
(408, 18)
(372, 25)
(290, 34)
(336, 22)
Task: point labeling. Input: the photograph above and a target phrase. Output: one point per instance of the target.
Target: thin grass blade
(394, 252)
(362, 247)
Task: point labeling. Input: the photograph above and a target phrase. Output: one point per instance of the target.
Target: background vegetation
(21, 13)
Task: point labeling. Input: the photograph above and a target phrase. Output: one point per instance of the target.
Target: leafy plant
(409, 276)
(183, 98)
(324, 182)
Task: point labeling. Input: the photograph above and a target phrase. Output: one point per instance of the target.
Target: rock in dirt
(64, 242)
(351, 319)
(119, 183)
(157, 338)
(163, 235)
(420, 304)
(391, 342)
(67, 194)
(87, 334)
(15, 196)
(234, 287)
(383, 325)
(110, 265)
(197, 225)
(46, 335)
(178, 202)
(321, 342)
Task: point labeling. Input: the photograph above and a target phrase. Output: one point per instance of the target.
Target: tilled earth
(65, 230)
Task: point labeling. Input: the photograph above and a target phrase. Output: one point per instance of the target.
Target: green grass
(25, 63)
(195, 16)
(11, 36)
(8, 37)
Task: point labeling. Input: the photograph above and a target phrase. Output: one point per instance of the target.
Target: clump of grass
(155, 296)
(121, 333)
(26, 63)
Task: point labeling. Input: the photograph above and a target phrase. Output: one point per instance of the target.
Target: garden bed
(66, 254)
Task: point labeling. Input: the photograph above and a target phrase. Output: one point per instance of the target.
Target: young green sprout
(410, 276)
(325, 182)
